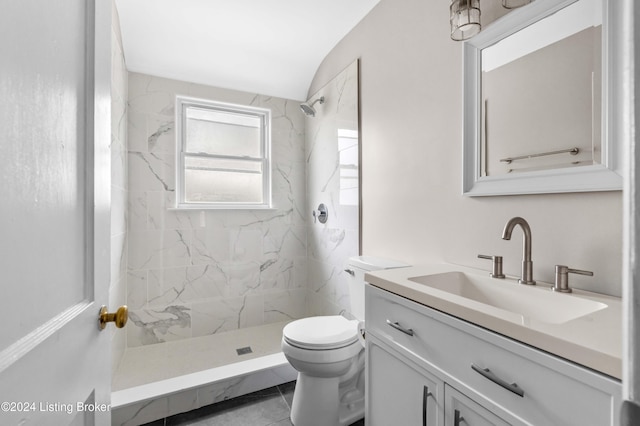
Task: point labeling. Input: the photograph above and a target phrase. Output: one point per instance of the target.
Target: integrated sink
(525, 302)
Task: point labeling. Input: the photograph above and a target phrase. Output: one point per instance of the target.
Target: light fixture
(464, 16)
(465, 19)
(513, 4)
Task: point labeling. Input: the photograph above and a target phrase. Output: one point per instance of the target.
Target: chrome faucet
(527, 264)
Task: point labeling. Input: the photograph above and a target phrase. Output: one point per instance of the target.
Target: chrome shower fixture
(308, 108)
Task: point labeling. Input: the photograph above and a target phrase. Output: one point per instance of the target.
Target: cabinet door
(462, 411)
(398, 393)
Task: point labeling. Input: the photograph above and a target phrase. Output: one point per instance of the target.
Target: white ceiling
(270, 47)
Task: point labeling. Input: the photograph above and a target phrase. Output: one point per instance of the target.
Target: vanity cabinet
(475, 374)
(400, 392)
(462, 410)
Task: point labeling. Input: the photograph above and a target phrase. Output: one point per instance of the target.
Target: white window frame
(184, 102)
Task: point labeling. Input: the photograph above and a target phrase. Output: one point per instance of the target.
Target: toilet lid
(326, 332)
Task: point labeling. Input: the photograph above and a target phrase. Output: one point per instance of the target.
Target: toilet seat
(321, 333)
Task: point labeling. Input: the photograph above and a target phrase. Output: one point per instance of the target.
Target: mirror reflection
(541, 94)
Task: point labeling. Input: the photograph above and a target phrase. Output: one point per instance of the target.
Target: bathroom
(407, 73)
(397, 223)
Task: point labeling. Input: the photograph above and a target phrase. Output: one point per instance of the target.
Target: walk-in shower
(210, 291)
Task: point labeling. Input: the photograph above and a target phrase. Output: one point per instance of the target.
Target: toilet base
(319, 401)
(315, 401)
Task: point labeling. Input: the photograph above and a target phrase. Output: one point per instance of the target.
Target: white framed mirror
(539, 102)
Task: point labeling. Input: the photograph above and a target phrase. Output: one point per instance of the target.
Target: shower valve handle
(322, 214)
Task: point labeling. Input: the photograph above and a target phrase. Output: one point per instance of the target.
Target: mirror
(537, 102)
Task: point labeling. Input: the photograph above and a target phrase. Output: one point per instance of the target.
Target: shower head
(308, 108)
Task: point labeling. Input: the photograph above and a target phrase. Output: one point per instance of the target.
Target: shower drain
(244, 351)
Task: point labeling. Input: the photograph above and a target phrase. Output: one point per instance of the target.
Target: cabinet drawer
(554, 391)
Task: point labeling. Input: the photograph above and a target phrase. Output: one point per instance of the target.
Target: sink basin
(526, 302)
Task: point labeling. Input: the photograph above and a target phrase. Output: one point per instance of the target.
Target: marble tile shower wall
(332, 179)
(194, 273)
(118, 284)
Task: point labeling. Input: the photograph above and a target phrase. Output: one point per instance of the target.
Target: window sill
(187, 207)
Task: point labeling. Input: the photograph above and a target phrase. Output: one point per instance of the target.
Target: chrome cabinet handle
(511, 387)
(457, 418)
(397, 326)
(425, 402)
(350, 272)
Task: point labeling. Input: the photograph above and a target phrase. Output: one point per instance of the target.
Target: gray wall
(413, 210)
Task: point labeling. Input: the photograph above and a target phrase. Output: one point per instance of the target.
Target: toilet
(328, 353)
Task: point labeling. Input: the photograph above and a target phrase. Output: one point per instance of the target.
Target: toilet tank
(356, 268)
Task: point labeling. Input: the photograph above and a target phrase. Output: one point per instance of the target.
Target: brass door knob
(119, 317)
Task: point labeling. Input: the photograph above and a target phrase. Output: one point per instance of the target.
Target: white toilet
(329, 356)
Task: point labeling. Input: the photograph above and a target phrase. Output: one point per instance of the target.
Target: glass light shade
(514, 4)
(465, 19)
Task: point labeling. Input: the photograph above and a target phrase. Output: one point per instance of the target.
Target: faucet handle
(496, 270)
(562, 277)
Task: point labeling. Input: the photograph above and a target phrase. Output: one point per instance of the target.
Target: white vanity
(446, 347)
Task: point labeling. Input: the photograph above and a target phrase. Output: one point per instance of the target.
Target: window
(222, 155)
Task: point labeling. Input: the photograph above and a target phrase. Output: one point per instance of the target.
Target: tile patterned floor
(269, 407)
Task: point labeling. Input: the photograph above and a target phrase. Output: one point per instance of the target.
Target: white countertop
(593, 340)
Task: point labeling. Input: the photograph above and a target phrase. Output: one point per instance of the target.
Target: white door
(54, 211)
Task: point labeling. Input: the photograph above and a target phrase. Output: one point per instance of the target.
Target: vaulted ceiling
(271, 47)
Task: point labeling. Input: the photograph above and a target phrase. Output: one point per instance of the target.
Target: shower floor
(147, 364)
